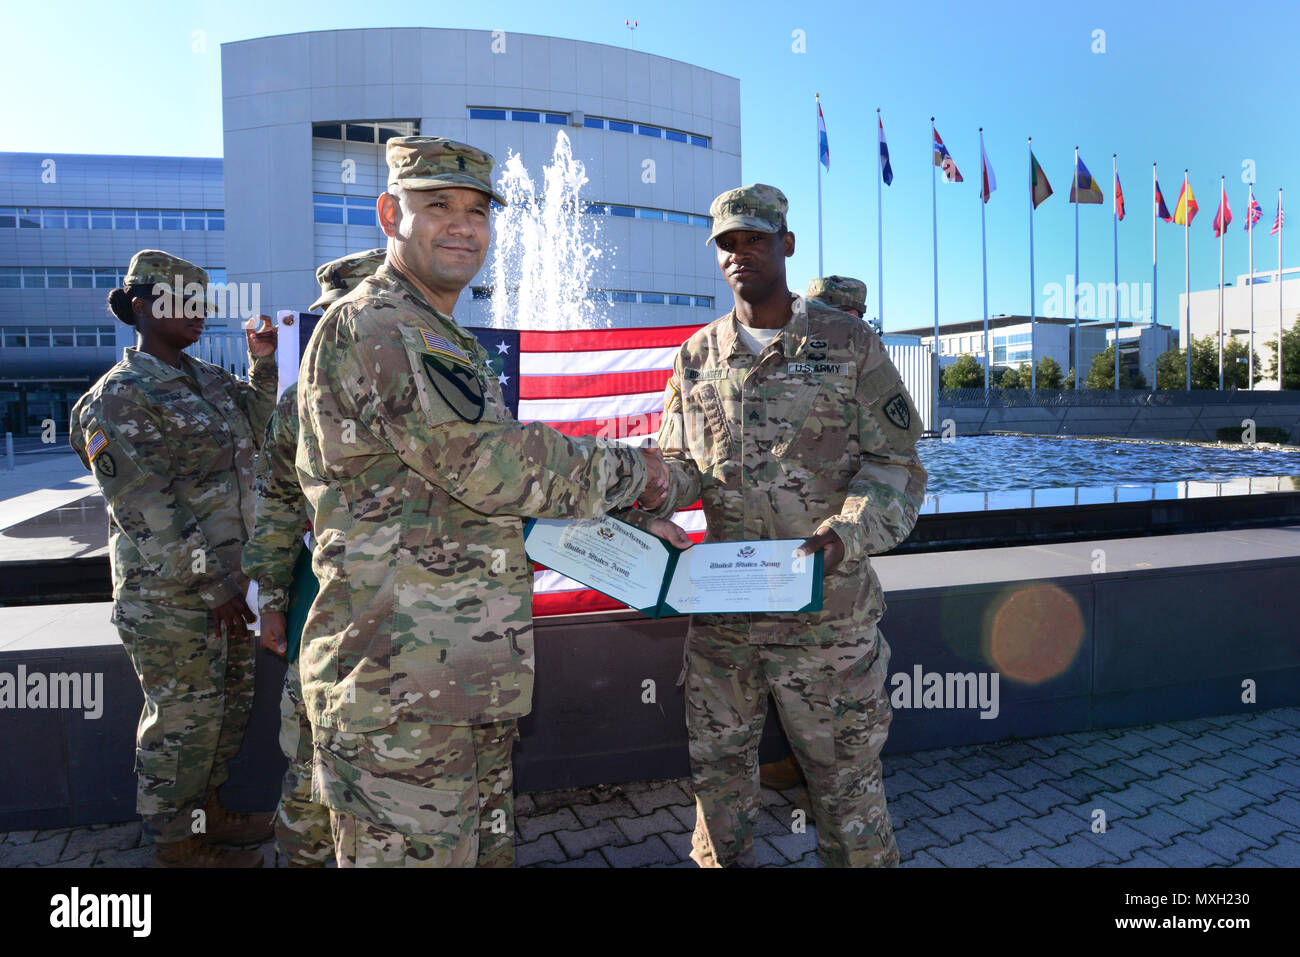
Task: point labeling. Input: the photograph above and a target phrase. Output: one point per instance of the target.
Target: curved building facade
(306, 116)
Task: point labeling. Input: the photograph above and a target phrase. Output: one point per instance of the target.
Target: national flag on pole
(1040, 188)
(1119, 199)
(587, 382)
(1253, 213)
(1278, 221)
(1161, 209)
(823, 144)
(1084, 188)
(941, 159)
(1223, 218)
(886, 172)
(1186, 209)
(988, 181)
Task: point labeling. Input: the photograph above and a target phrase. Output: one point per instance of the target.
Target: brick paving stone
(944, 799)
(1160, 825)
(534, 826)
(1028, 774)
(638, 829)
(1152, 763)
(1063, 763)
(590, 814)
(1051, 743)
(1098, 752)
(1241, 735)
(131, 857)
(1251, 859)
(767, 796)
(999, 812)
(1042, 798)
(579, 842)
(1122, 840)
(1204, 773)
(917, 837)
(1013, 753)
(680, 845)
(1194, 726)
(1235, 763)
(1288, 772)
(1081, 851)
(1081, 786)
(980, 763)
(934, 755)
(1142, 859)
(524, 805)
(769, 824)
(957, 824)
(1257, 824)
(808, 860)
(1161, 734)
(1015, 839)
(765, 855)
(1184, 852)
(1261, 784)
(1197, 811)
(1229, 797)
(545, 802)
(795, 846)
(1136, 797)
(1181, 753)
(901, 782)
(1131, 743)
(38, 853)
(1116, 774)
(590, 859)
(970, 851)
(1031, 859)
(1061, 825)
(1225, 840)
(987, 786)
(19, 837)
(652, 798)
(1284, 808)
(1171, 786)
(1270, 722)
(921, 859)
(939, 773)
(684, 814)
(1282, 854)
(1267, 754)
(909, 807)
(650, 851)
(116, 838)
(545, 848)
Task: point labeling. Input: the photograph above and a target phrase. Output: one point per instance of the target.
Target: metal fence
(916, 365)
(226, 349)
(1113, 398)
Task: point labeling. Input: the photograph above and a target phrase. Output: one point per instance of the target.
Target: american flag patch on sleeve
(95, 445)
(441, 346)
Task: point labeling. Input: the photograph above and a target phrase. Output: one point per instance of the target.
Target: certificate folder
(645, 572)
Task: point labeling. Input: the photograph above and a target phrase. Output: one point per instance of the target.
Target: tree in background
(1102, 373)
(964, 373)
(1068, 383)
(1171, 366)
(1010, 379)
(1049, 374)
(1290, 357)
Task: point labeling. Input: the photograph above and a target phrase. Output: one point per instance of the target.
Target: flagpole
(1187, 279)
(880, 235)
(1250, 240)
(984, 257)
(1033, 305)
(1114, 202)
(1155, 372)
(1223, 228)
(820, 269)
(1075, 196)
(1280, 226)
(934, 215)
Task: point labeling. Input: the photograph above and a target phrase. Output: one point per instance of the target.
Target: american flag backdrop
(606, 382)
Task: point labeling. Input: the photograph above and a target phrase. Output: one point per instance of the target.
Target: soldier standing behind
(302, 827)
(418, 651)
(171, 441)
(789, 421)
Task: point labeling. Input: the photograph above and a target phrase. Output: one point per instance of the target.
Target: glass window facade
(61, 217)
(588, 122)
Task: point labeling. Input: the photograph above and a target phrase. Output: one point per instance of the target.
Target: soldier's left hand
(826, 540)
(261, 334)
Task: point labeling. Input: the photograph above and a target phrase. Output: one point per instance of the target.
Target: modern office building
(69, 224)
(1237, 298)
(1139, 342)
(306, 117)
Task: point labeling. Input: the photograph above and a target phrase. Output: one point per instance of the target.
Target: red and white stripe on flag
(604, 382)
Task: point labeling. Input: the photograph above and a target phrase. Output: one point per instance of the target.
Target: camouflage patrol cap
(840, 292)
(757, 207)
(153, 267)
(339, 277)
(432, 162)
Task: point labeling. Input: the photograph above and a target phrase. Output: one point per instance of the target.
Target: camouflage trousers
(198, 693)
(418, 795)
(835, 709)
(302, 827)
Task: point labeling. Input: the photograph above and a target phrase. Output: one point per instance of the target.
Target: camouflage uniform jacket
(173, 453)
(282, 520)
(817, 432)
(416, 473)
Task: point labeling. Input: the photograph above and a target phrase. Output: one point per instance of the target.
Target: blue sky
(1185, 84)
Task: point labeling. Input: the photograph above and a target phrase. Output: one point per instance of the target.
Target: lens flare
(1036, 632)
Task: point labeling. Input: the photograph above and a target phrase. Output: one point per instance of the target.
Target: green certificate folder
(301, 594)
(646, 573)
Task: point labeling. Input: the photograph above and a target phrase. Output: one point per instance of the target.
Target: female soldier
(171, 442)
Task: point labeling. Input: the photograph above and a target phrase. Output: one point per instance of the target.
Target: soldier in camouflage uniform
(171, 442)
(302, 827)
(418, 652)
(788, 420)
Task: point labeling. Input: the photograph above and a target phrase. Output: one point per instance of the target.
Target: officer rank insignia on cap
(95, 445)
(442, 347)
(896, 411)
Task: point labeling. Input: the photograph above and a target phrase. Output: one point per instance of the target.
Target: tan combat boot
(781, 775)
(191, 852)
(228, 827)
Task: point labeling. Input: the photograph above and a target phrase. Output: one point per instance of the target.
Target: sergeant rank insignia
(451, 373)
(896, 411)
